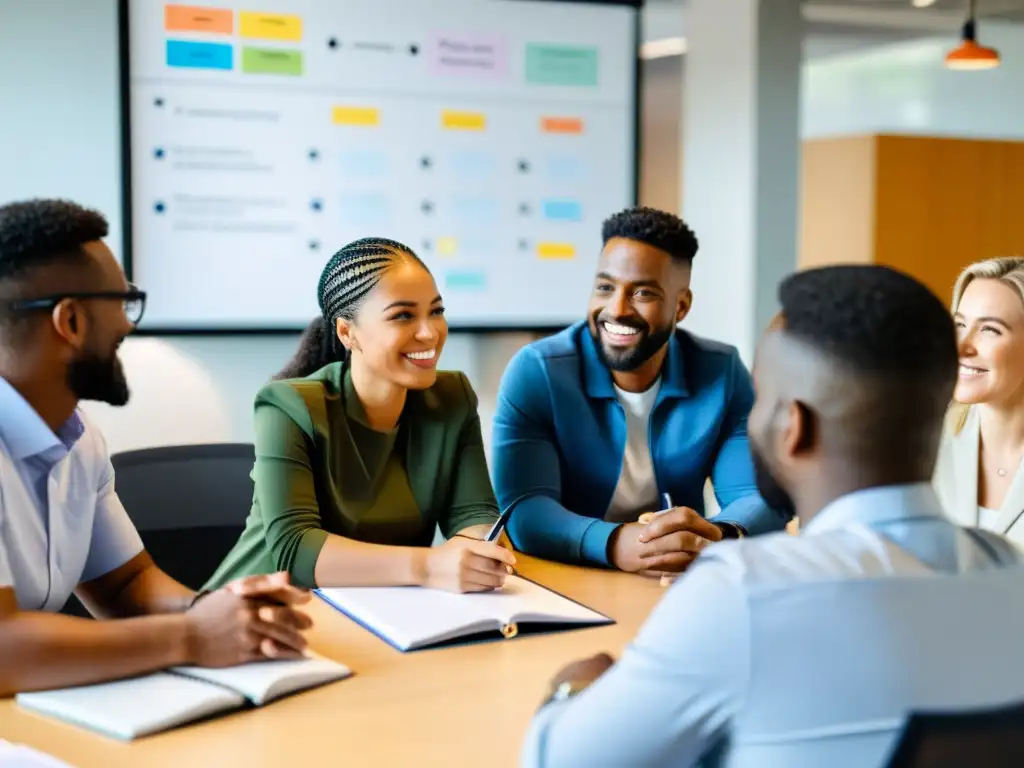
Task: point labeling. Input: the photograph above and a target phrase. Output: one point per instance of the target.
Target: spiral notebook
(139, 706)
(414, 618)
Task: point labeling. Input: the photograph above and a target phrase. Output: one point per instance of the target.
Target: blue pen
(499, 525)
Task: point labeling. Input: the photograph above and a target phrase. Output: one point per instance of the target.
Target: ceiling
(834, 26)
(1002, 9)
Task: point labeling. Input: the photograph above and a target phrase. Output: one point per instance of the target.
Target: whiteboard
(491, 136)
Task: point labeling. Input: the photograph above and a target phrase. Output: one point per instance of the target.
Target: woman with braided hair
(362, 447)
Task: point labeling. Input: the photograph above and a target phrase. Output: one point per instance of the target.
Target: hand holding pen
(670, 539)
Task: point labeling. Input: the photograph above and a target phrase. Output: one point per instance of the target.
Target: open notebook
(139, 706)
(411, 618)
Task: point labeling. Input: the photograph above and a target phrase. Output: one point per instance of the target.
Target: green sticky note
(550, 64)
(271, 61)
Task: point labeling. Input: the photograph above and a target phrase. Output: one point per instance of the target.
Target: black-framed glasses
(133, 299)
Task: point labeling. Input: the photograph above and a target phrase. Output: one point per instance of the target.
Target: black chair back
(989, 738)
(189, 502)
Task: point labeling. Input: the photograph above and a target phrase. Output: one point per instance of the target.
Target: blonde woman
(980, 472)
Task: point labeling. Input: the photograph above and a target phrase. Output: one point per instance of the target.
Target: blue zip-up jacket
(560, 436)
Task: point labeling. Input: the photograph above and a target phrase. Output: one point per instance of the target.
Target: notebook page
(127, 709)
(20, 756)
(521, 600)
(414, 616)
(262, 681)
(409, 617)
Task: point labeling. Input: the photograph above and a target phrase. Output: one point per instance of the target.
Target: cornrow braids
(345, 282)
(353, 272)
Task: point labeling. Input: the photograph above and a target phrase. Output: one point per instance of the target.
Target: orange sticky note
(192, 18)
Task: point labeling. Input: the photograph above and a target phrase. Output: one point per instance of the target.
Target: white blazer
(956, 482)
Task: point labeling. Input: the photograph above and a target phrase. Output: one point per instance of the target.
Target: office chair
(189, 503)
(989, 738)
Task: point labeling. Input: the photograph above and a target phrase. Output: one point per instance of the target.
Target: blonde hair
(1009, 271)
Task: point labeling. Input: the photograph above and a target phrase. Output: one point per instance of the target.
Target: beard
(774, 495)
(93, 376)
(625, 359)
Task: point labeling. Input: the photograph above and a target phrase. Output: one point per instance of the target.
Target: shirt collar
(876, 506)
(23, 430)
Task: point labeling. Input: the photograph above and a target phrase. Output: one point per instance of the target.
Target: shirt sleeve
(6, 577)
(115, 539)
(732, 475)
(671, 697)
(527, 475)
(472, 497)
(286, 489)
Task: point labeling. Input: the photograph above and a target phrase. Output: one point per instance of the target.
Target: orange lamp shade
(970, 55)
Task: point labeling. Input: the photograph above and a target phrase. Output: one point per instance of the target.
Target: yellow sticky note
(447, 246)
(356, 116)
(463, 121)
(556, 250)
(270, 26)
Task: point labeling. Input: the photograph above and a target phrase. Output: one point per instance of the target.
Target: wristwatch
(564, 690)
(731, 530)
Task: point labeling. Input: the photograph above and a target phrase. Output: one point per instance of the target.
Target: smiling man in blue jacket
(595, 425)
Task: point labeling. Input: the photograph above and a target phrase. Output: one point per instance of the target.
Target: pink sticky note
(468, 54)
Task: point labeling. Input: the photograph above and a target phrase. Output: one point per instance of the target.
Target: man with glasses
(65, 308)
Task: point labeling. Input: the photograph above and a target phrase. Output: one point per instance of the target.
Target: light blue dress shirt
(61, 523)
(806, 652)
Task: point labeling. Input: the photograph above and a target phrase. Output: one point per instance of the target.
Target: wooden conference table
(460, 706)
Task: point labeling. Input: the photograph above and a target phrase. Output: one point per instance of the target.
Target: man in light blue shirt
(810, 651)
(65, 307)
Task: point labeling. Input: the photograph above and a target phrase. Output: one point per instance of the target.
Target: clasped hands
(251, 619)
(667, 544)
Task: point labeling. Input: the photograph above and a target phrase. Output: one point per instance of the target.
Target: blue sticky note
(475, 164)
(565, 168)
(562, 210)
(363, 163)
(475, 209)
(186, 53)
(364, 210)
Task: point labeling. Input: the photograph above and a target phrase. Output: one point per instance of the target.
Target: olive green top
(320, 469)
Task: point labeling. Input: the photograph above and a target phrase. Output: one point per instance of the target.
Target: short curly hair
(659, 229)
(38, 233)
(873, 320)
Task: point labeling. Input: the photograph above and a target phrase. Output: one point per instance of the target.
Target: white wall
(60, 137)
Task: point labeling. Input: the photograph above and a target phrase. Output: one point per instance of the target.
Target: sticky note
(364, 163)
(190, 18)
(185, 53)
(479, 56)
(555, 250)
(447, 246)
(551, 64)
(271, 61)
(566, 168)
(270, 26)
(474, 211)
(476, 164)
(465, 280)
(562, 210)
(463, 121)
(569, 125)
(364, 210)
(367, 116)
